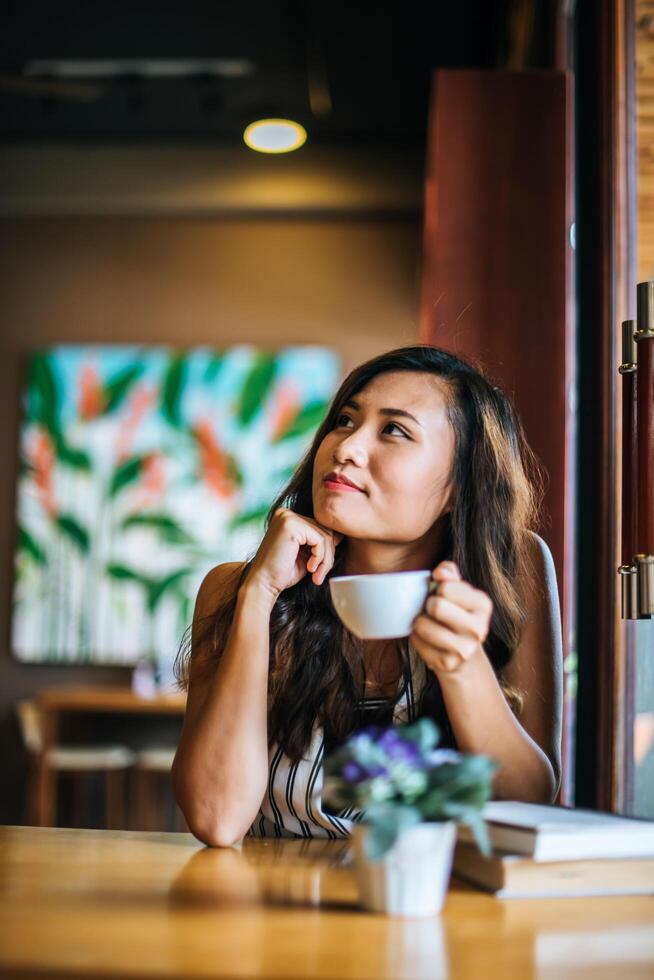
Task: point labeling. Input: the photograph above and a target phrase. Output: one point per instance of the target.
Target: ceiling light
(274, 135)
(146, 67)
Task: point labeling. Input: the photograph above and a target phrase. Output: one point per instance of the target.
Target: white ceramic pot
(412, 877)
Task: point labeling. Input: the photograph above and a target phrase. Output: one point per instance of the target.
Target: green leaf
(43, 394)
(172, 389)
(159, 589)
(27, 544)
(479, 828)
(73, 530)
(124, 574)
(307, 419)
(423, 732)
(386, 822)
(253, 516)
(185, 606)
(256, 387)
(235, 470)
(116, 389)
(128, 472)
(67, 455)
(168, 529)
(213, 367)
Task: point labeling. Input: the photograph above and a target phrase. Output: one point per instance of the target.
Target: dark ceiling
(353, 72)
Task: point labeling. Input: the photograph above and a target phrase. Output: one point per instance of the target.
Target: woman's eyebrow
(353, 403)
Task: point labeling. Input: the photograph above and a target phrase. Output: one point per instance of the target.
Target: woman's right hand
(293, 546)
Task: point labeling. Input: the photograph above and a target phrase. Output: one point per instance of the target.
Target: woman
(438, 472)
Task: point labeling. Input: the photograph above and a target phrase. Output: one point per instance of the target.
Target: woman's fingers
(322, 558)
(465, 595)
(447, 570)
(442, 638)
(456, 618)
(317, 553)
(455, 621)
(439, 661)
(327, 563)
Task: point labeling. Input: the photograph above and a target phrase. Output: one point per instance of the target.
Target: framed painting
(140, 468)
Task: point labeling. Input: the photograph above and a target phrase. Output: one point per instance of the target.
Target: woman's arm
(220, 770)
(528, 749)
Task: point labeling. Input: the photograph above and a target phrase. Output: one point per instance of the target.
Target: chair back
(30, 724)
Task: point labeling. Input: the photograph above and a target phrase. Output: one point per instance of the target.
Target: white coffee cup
(383, 606)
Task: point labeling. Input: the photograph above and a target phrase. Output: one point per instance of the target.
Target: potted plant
(412, 795)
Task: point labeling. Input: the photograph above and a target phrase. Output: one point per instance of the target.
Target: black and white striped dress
(292, 806)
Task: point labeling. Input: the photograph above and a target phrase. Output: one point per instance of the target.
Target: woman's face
(402, 465)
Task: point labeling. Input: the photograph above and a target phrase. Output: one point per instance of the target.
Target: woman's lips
(337, 485)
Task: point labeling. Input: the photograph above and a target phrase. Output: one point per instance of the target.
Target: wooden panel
(498, 273)
(645, 135)
(606, 279)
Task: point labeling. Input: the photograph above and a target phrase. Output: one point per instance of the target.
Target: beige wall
(351, 283)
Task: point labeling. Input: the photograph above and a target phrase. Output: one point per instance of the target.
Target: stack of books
(544, 851)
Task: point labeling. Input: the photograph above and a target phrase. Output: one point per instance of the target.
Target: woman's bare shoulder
(218, 586)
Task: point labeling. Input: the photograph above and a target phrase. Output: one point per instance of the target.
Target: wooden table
(93, 903)
(55, 701)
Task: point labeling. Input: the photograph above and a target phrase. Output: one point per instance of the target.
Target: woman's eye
(392, 425)
(343, 420)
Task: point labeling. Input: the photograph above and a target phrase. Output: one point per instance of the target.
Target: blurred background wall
(191, 281)
(130, 210)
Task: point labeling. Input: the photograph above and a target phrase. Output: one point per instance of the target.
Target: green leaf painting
(255, 516)
(43, 394)
(163, 525)
(140, 468)
(307, 420)
(126, 473)
(74, 531)
(119, 386)
(172, 389)
(29, 547)
(257, 385)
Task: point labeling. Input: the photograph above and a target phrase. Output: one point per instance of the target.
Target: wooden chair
(152, 773)
(74, 761)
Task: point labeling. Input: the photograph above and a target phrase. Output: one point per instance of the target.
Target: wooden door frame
(606, 289)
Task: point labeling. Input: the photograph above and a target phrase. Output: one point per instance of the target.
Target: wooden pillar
(498, 278)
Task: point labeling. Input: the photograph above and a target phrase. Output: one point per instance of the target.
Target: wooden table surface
(93, 903)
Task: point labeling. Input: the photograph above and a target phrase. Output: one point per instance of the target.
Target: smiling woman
(420, 463)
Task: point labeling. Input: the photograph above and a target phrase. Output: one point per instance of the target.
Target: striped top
(292, 805)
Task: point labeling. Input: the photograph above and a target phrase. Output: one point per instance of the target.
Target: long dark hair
(315, 665)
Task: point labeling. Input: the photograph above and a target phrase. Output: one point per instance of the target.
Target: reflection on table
(124, 904)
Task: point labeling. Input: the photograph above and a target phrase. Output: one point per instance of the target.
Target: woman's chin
(328, 517)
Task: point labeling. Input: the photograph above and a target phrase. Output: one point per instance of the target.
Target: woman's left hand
(454, 623)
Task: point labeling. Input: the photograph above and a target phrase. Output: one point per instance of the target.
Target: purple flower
(399, 750)
(354, 773)
(374, 771)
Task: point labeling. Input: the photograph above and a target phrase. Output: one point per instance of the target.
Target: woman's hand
(454, 624)
(293, 546)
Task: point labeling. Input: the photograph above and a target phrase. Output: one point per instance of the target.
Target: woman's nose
(351, 448)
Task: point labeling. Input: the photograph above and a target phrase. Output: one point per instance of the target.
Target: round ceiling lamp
(274, 135)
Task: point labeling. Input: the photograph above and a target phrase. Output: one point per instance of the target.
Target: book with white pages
(557, 833)
(517, 876)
